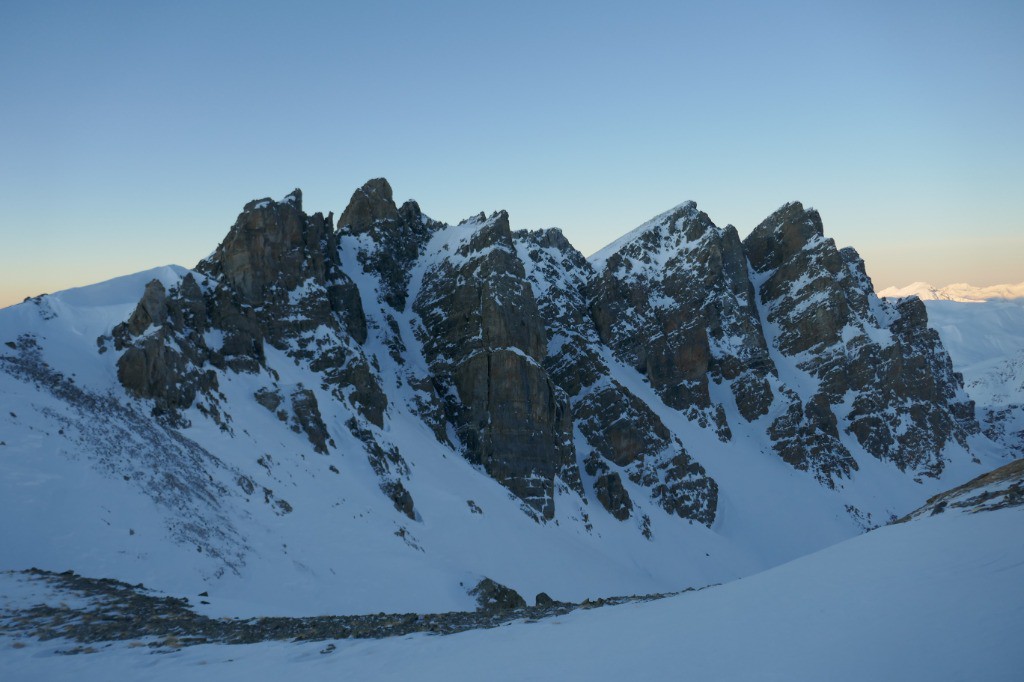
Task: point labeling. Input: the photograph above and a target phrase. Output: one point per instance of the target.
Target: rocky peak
(370, 204)
(674, 301)
(388, 239)
(294, 198)
(912, 315)
(272, 243)
(864, 352)
(781, 235)
(494, 231)
(152, 309)
(552, 238)
(275, 279)
(804, 274)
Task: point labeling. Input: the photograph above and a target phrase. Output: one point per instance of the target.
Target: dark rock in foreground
(116, 611)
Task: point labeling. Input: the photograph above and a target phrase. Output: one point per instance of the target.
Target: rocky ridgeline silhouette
(507, 339)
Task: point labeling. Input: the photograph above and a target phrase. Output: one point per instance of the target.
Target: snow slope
(934, 599)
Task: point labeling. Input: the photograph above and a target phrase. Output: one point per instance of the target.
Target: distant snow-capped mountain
(964, 293)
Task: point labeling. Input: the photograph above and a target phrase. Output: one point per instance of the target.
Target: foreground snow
(935, 599)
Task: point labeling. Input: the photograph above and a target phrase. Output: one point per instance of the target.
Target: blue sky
(132, 133)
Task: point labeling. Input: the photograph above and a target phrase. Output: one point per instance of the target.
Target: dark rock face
(286, 266)
(907, 402)
(275, 279)
(308, 419)
(151, 367)
(807, 437)
(390, 467)
(612, 496)
(395, 236)
(493, 596)
(304, 417)
(620, 429)
(676, 303)
(484, 340)
(682, 301)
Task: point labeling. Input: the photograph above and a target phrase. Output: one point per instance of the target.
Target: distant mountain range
(964, 293)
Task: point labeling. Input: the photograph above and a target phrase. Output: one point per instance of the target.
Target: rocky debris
(493, 596)
(997, 489)
(119, 612)
(280, 507)
(175, 473)
(484, 339)
(907, 403)
(619, 427)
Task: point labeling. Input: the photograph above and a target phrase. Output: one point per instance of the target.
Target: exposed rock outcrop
(612, 496)
(620, 429)
(275, 279)
(394, 236)
(165, 357)
(675, 302)
(906, 403)
(485, 342)
(493, 596)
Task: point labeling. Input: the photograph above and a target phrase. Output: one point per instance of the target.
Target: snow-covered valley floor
(938, 598)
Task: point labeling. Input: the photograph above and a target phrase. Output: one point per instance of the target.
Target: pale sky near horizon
(131, 134)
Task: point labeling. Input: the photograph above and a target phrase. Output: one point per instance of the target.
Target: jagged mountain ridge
(675, 301)
(610, 397)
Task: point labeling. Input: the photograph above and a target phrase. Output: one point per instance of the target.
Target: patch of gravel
(116, 611)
